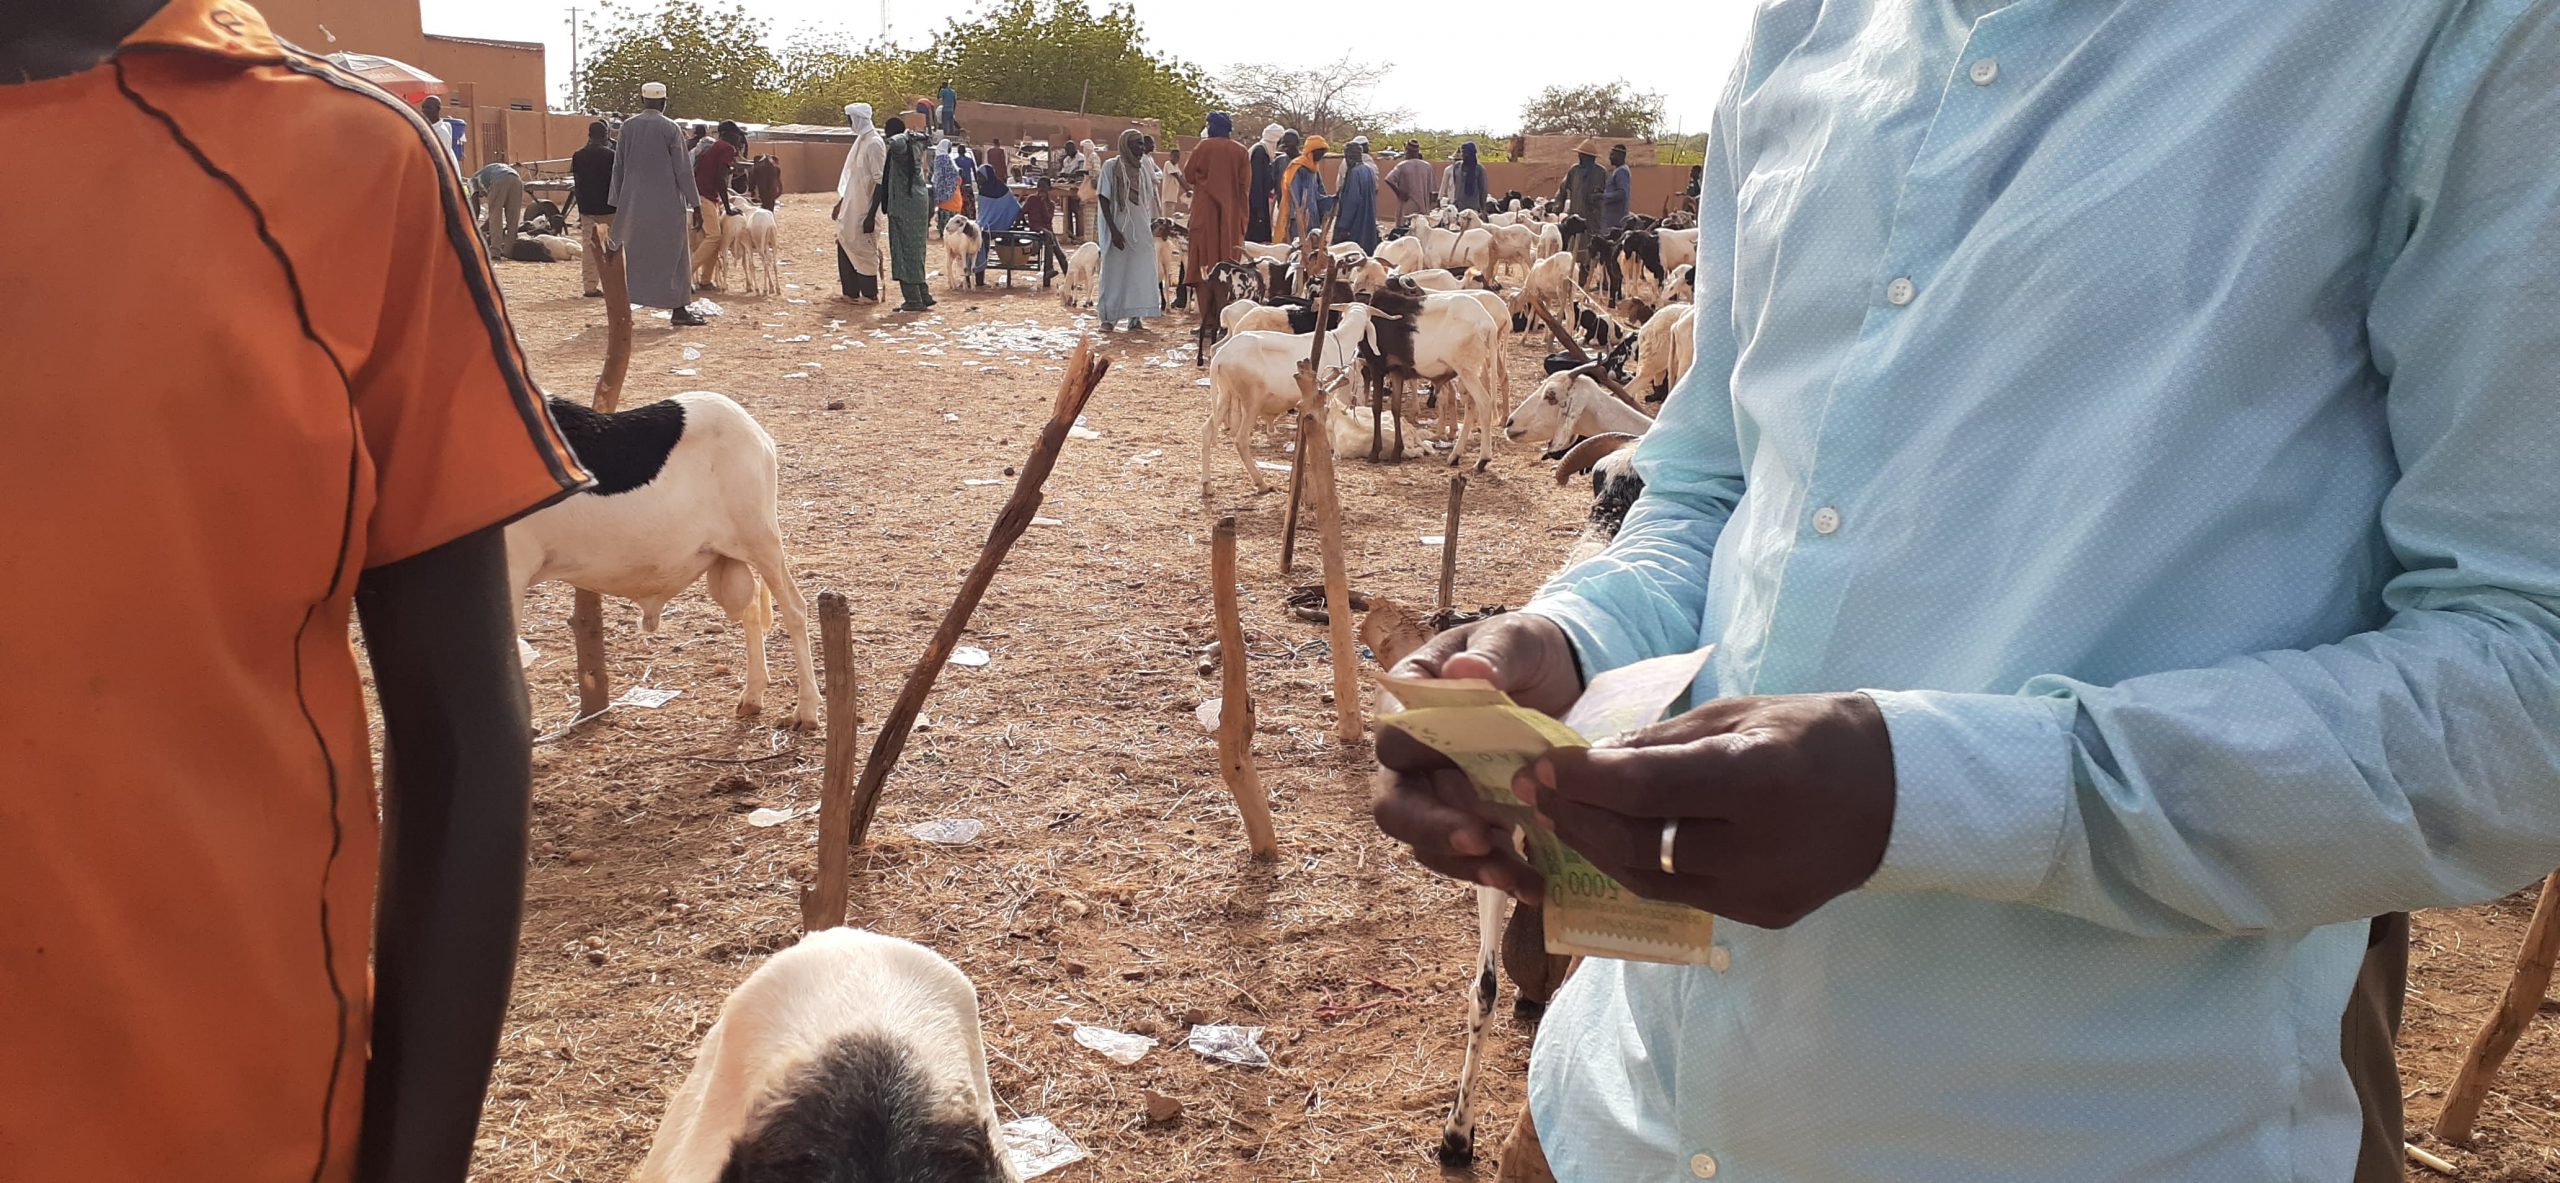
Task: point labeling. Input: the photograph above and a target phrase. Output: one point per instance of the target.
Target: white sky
(1458, 65)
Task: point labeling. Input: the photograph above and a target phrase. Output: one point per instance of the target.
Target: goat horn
(1580, 458)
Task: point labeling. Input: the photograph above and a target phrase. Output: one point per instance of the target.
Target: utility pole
(574, 104)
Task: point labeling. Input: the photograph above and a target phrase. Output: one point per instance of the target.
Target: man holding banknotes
(2117, 483)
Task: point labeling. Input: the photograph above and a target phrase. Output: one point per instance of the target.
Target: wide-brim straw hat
(1587, 148)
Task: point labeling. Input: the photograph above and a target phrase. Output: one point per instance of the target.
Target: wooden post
(822, 905)
(1235, 705)
(1449, 540)
(586, 608)
(1317, 448)
(1306, 425)
(1297, 491)
(2515, 1011)
(1084, 372)
(1601, 376)
(617, 339)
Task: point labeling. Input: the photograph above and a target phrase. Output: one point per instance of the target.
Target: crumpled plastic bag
(1235, 1045)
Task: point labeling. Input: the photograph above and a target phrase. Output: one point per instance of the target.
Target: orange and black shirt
(261, 353)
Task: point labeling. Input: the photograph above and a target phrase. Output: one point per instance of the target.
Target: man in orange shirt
(277, 388)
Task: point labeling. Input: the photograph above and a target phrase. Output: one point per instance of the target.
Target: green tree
(1331, 100)
(1066, 55)
(1614, 109)
(713, 58)
(819, 74)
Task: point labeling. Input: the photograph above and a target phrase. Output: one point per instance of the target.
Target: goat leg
(1458, 1134)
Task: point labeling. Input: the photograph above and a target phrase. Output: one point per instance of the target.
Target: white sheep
(1253, 380)
(684, 489)
(1453, 340)
(961, 239)
(1084, 274)
(846, 1044)
(1571, 405)
(751, 249)
(1549, 284)
(1436, 279)
(1402, 254)
(1664, 347)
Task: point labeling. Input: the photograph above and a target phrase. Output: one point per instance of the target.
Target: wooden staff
(1318, 447)
(1235, 706)
(2515, 1011)
(1298, 462)
(1084, 372)
(1449, 539)
(586, 608)
(822, 906)
(1602, 376)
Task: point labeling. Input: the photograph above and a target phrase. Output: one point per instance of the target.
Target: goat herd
(857, 1048)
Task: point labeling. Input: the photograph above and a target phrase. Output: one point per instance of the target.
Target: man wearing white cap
(653, 203)
(857, 248)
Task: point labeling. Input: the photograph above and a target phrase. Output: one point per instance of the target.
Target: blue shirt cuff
(1982, 790)
(1600, 644)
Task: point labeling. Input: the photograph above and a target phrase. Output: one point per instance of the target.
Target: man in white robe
(857, 249)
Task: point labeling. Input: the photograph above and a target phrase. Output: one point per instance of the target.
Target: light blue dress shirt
(2156, 405)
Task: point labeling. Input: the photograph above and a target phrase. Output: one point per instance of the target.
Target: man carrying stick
(2085, 682)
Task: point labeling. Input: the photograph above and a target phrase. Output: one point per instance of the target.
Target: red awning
(407, 82)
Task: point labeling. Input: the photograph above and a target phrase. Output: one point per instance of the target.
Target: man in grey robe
(653, 201)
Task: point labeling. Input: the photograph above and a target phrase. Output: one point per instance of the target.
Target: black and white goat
(850, 1057)
(1448, 339)
(684, 489)
(1253, 380)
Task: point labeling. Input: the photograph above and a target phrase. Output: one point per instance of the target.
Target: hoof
(1456, 1149)
(1484, 464)
(749, 708)
(804, 721)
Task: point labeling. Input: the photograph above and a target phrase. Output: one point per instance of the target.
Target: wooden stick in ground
(1337, 580)
(1297, 491)
(2507, 1024)
(1449, 540)
(822, 905)
(1235, 705)
(1084, 372)
(586, 608)
(1298, 461)
(617, 339)
(1580, 358)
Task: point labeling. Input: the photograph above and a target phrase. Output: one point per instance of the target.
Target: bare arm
(456, 754)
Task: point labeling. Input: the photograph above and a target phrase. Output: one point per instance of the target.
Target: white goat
(1680, 284)
(1679, 247)
(1265, 252)
(1452, 340)
(1253, 380)
(684, 488)
(1550, 240)
(1436, 279)
(1664, 348)
(751, 249)
(850, 1055)
(1401, 254)
(1571, 405)
(1549, 284)
(1084, 274)
(961, 239)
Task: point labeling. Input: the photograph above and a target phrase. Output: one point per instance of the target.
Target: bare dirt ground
(1110, 884)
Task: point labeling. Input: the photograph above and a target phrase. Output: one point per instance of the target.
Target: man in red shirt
(711, 168)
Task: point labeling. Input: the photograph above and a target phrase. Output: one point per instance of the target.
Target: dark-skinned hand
(1784, 802)
(1423, 800)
